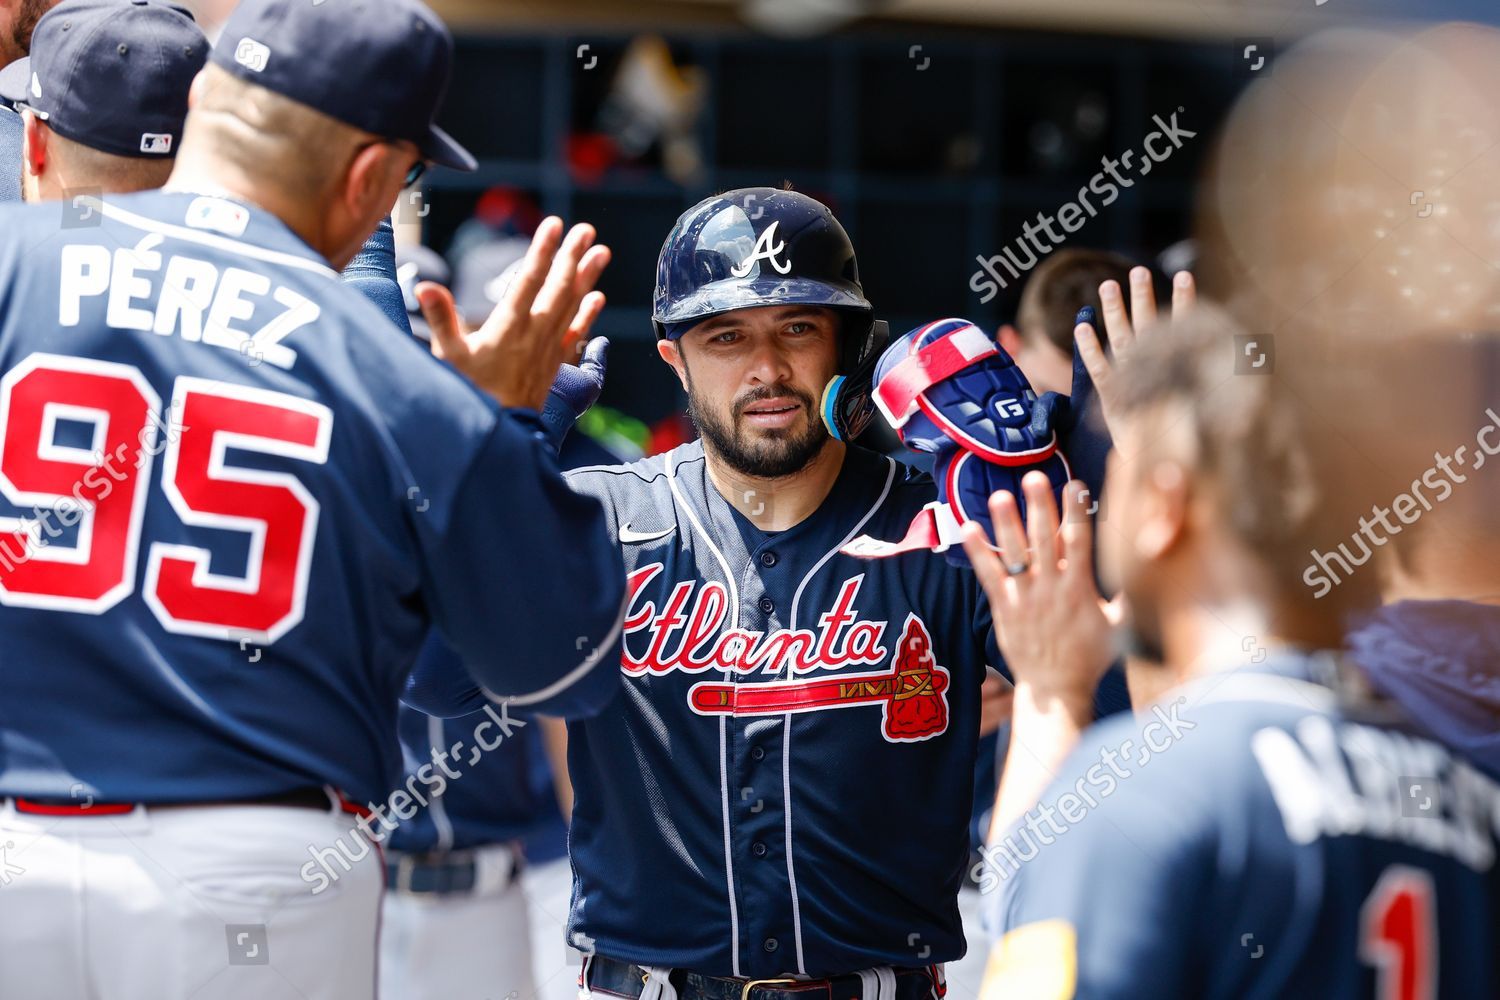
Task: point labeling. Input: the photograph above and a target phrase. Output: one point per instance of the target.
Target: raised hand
(1054, 630)
(1123, 329)
(549, 306)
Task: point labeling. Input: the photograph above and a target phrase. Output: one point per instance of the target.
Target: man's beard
(1141, 637)
(27, 15)
(774, 454)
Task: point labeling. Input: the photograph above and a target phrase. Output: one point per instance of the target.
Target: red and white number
(105, 500)
(273, 508)
(102, 490)
(1398, 934)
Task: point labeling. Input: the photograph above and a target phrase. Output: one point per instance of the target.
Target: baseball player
(779, 798)
(1253, 833)
(456, 919)
(102, 98)
(234, 501)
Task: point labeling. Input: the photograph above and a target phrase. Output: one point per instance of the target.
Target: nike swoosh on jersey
(628, 537)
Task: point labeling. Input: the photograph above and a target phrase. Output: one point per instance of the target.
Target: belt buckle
(752, 983)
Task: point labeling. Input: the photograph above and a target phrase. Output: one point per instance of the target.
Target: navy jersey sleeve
(529, 593)
(440, 686)
(372, 273)
(519, 575)
(1100, 901)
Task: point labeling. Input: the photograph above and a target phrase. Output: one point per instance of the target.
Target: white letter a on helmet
(765, 249)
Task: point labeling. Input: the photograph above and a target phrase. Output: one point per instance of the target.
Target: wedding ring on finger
(1016, 569)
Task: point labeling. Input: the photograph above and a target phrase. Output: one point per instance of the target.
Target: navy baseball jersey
(784, 784)
(1252, 837)
(234, 499)
(478, 773)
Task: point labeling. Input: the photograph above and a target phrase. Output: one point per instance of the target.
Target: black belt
(622, 979)
(440, 874)
(299, 798)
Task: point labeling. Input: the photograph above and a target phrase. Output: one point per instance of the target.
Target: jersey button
(758, 849)
(768, 559)
(771, 944)
(767, 605)
(758, 753)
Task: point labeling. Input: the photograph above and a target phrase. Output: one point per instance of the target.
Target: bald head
(330, 182)
(265, 136)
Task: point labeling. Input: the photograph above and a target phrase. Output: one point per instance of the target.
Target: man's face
(16, 24)
(1046, 368)
(755, 379)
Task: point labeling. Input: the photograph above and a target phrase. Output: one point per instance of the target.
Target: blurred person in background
(1374, 265)
(1279, 821)
(1434, 537)
(1041, 339)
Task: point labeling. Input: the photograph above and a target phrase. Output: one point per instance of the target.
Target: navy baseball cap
(381, 66)
(112, 75)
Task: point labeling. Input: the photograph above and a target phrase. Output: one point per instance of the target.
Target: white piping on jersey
(734, 623)
(786, 732)
(207, 239)
(572, 676)
(439, 810)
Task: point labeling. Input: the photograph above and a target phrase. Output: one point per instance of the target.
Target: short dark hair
(1064, 283)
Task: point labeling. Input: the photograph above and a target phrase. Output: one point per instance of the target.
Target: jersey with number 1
(1278, 842)
(233, 500)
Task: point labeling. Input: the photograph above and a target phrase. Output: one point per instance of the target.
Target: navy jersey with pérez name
(784, 784)
(1282, 846)
(233, 500)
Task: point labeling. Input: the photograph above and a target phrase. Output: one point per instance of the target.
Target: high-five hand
(1123, 329)
(1054, 630)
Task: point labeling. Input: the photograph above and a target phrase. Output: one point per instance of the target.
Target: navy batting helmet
(765, 247)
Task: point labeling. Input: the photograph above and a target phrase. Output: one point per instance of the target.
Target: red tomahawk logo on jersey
(912, 693)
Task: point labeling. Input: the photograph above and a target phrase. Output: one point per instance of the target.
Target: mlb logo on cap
(156, 143)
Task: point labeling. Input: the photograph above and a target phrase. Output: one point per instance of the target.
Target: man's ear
(672, 355)
(195, 89)
(34, 136)
(1165, 499)
(1009, 339)
(368, 179)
